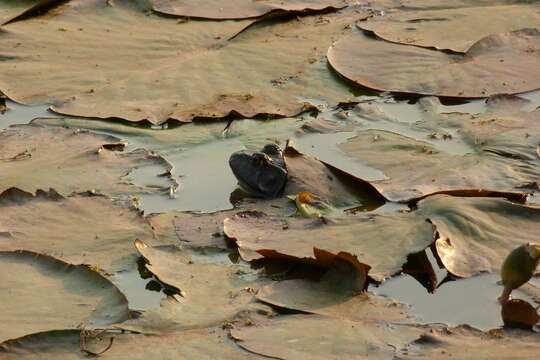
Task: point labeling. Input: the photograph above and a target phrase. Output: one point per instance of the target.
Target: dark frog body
(260, 173)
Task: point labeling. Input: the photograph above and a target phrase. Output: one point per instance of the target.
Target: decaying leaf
(318, 337)
(240, 9)
(34, 157)
(96, 76)
(79, 229)
(498, 63)
(40, 293)
(454, 28)
(204, 344)
(503, 143)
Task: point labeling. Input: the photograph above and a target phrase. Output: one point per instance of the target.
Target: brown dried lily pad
(318, 338)
(355, 236)
(465, 342)
(35, 157)
(338, 293)
(191, 307)
(498, 63)
(40, 293)
(204, 344)
(455, 29)
(232, 76)
(503, 142)
(240, 9)
(79, 229)
(329, 184)
(476, 234)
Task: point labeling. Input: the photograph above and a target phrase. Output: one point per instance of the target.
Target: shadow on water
(141, 288)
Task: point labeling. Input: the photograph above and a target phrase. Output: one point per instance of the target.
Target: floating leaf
(191, 306)
(204, 344)
(457, 28)
(318, 338)
(498, 63)
(232, 76)
(240, 9)
(338, 293)
(464, 342)
(360, 236)
(40, 293)
(34, 157)
(503, 143)
(476, 234)
(80, 229)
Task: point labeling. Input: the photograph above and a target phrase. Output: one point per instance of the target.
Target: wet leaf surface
(317, 337)
(203, 344)
(79, 229)
(457, 28)
(33, 157)
(492, 65)
(239, 9)
(503, 141)
(42, 293)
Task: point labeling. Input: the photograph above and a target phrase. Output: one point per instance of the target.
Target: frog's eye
(257, 160)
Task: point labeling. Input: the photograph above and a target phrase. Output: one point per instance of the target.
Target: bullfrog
(260, 173)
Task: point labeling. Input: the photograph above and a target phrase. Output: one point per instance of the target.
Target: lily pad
(360, 236)
(191, 307)
(240, 9)
(204, 344)
(504, 142)
(329, 184)
(338, 294)
(318, 337)
(454, 29)
(464, 342)
(35, 157)
(80, 229)
(40, 293)
(233, 76)
(498, 63)
(476, 234)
